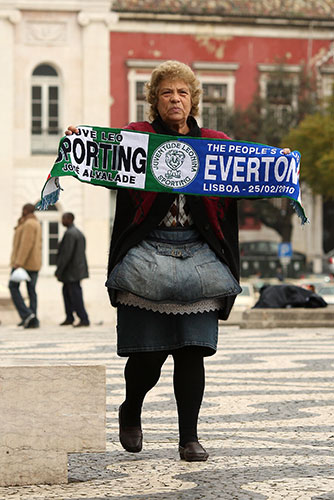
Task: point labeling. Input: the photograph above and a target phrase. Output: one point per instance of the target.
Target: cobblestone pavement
(267, 419)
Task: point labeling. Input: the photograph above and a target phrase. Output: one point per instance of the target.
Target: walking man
(71, 269)
(27, 253)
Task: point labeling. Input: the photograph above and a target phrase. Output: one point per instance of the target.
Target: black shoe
(81, 323)
(21, 323)
(193, 452)
(131, 437)
(32, 323)
(67, 322)
(27, 320)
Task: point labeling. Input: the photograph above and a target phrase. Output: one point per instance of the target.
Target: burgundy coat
(138, 213)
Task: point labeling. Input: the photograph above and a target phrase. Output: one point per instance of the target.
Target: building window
(138, 107)
(280, 99)
(214, 103)
(279, 88)
(53, 231)
(141, 104)
(51, 234)
(327, 83)
(139, 72)
(325, 74)
(218, 83)
(45, 115)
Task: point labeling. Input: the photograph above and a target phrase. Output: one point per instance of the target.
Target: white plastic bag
(19, 274)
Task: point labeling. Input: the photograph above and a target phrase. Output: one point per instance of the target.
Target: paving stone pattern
(266, 420)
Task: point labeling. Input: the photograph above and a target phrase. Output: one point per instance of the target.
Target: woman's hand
(71, 129)
(286, 151)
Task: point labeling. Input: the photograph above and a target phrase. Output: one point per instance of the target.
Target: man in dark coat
(71, 268)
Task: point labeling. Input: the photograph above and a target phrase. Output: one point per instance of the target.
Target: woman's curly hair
(173, 70)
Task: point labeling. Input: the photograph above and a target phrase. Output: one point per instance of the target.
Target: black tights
(142, 372)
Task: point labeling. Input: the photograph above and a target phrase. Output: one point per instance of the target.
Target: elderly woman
(186, 244)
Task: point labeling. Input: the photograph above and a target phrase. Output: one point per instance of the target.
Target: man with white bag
(26, 254)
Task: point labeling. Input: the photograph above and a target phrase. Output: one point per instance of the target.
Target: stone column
(309, 238)
(95, 111)
(8, 19)
(317, 234)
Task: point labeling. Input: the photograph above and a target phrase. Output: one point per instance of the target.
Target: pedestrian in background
(27, 253)
(71, 269)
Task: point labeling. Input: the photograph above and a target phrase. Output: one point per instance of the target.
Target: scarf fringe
(48, 199)
(300, 212)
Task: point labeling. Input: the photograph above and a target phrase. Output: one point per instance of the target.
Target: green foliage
(314, 138)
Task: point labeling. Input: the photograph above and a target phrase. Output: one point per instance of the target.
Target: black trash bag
(285, 296)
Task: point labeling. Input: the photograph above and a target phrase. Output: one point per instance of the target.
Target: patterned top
(178, 215)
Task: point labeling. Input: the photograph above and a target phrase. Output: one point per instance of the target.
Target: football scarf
(118, 158)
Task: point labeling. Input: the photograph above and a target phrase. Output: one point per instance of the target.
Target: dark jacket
(71, 257)
(138, 213)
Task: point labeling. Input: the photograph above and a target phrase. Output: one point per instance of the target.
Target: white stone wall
(7, 33)
(73, 37)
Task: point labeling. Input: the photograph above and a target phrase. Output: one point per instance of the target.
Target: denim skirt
(140, 330)
(172, 266)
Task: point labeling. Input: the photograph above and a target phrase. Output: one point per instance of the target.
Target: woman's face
(174, 102)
